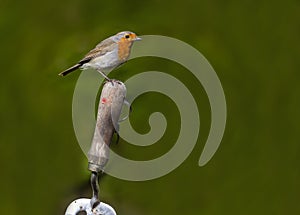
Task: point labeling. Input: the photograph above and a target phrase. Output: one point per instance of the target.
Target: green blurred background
(252, 45)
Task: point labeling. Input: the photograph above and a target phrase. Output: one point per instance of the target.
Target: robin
(108, 54)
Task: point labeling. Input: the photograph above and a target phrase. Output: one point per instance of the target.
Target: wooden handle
(109, 110)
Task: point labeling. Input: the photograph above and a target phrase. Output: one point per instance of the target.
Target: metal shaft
(95, 188)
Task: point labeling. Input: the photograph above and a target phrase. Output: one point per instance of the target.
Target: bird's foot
(108, 80)
(112, 81)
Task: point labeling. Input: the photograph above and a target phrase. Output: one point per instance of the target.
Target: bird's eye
(127, 36)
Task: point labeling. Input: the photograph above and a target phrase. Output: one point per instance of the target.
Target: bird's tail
(71, 69)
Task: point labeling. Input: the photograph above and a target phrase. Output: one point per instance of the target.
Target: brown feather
(101, 49)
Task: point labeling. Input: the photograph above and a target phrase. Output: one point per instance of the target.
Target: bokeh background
(252, 45)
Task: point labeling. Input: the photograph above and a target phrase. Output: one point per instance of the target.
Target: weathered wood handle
(109, 110)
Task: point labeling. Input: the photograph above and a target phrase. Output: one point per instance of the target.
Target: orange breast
(124, 48)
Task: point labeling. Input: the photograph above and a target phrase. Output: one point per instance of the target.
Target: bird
(108, 54)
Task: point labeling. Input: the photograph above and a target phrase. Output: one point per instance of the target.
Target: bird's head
(127, 36)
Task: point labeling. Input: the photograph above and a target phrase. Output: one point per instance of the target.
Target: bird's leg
(102, 73)
(106, 78)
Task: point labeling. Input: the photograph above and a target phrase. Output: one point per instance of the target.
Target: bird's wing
(101, 49)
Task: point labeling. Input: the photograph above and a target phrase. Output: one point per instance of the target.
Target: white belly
(106, 61)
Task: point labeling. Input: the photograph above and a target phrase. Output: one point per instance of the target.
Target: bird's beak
(137, 39)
